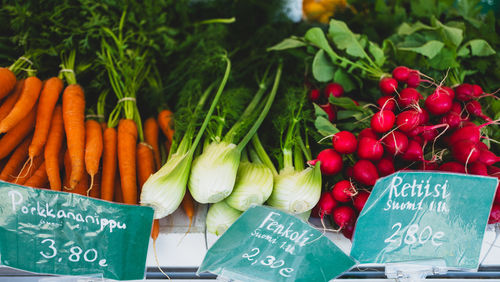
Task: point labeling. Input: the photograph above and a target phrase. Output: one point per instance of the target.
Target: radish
(401, 73)
(360, 200)
(452, 167)
(344, 215)
(477, 168)
(446, 90)
(413, 80)
(452, 119)
(414, 152)
(478, 91)
(481, 146)
(343, 191)
(396, 143)
(349, 172)
(348, 230)
(330, 162)
(470, 132)
(494, 214)
(370, 149)
(474, 108)
(423, 116)
(382, 121)
(388, 85)
(409, 96)
(497, 195)
(314, 95)
(385, 166)
(365, 172)
(387, 103)
(486, 156)
(330, 111)
(367, 132)
(326, 204)
(425, 165)
(464, 92)
(344, 142)
(456, 107)
(333, 89)
(465, 151)
(408, 120)
(438, 103)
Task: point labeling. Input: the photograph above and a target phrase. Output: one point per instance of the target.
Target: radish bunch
(321, 98)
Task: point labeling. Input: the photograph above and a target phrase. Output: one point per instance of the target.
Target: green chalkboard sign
(61, 233)
(425, 215)
(265, 244)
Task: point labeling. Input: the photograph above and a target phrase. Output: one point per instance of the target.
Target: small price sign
(425, 215)
(60, 233)
(265, 244)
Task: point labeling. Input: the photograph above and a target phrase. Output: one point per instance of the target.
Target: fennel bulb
(220, 216)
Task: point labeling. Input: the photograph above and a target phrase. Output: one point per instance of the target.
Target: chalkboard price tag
(51, 232)
(412, 216)
(265, 244)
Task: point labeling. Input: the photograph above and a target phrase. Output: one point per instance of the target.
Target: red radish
(428, 166)
(343, 191)
(446, 90)
(409, 96)
(370, 149)
(408, 120)
(423, 116)
(330, 111)
(385, 166)
(396, 143)
(333, 89)
(474, 108)
(477, 90)
(477, 168)
(388, 85)
(413, 79)
(453, 119)
(401, 73)
(344, 215)
(486, 156)
(365, 172)
(419, 139)
(414, 152)
(456, 107)
(438, 103)
(465, 151)
(481, 146)
(331, 162)
(387, 103)
(360, 200)
(314, 95)
(348, 230)
(326, 204)
(344, 142)
(470, 132)
(497, 195)
(382, 121)
(355, 102)
(464, 92)
(494, 214)
(367, 132)
(429, 134)
(452, 167)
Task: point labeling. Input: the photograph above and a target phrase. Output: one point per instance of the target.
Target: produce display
(230, 103)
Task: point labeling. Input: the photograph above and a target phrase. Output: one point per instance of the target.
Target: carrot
(82, 188)
(67, 170)
(93, 148)
(16, 160)
(145, 163)
(166, 124)
(28, 171)
(11, 100)
(118, 190)
(48, 99)
(127, 140)
(95, 191)
(12, 138)
(155, 231)
(53, 148)
(151, 137)
(39, 177)
(7, 81)
(73, 109)
(108, 164)
(188, 207)
(27, 100)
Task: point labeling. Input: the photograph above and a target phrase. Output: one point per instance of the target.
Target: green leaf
(377, 53)
(322, 67)
(444, 60)
(429, 49)
(463, 51)
(407, 29)
(480, 47)
(345, 39)
(453, 34)
(343, 79)
(345, 103)
(341, 115)
(316, 36)
(288, 43)
(322, 124)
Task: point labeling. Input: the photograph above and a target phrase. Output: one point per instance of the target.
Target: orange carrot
(82, 188)
(16, 160)
(28, 171)
(127, 140)
(7, 81)
(93, 148)
(108, 164)
(67, 170)
(145, 163)
(95, 190)
(188, 207)
(39, 177)
(48, 99)
(155, 231)
(27, 100)
(151, 137)
(12, 138)
(73, 108)
(118, 190)
(166, 123)
(11, 100)
(53, 149)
